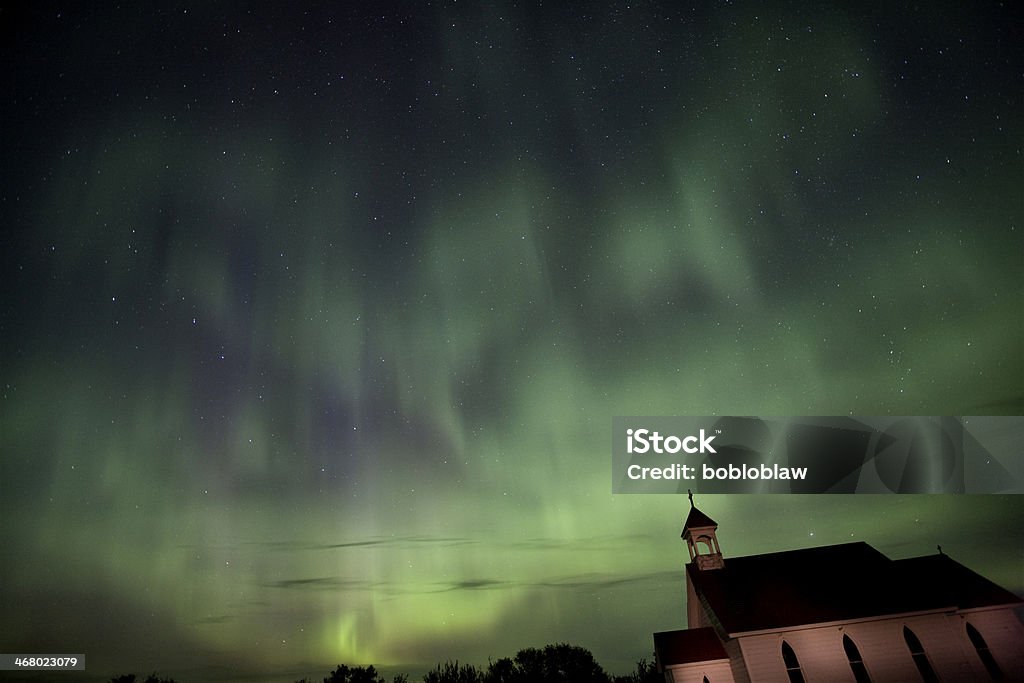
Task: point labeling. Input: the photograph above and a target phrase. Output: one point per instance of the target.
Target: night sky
(313, 323)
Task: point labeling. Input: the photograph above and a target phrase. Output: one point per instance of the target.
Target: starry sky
(314, 321)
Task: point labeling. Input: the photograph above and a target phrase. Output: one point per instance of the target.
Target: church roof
(688, 646)
(836, 583)
(697, 519)
(941, 575)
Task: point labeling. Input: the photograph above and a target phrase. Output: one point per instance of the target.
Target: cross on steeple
(701, 541)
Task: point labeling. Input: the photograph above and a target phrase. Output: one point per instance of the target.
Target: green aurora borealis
(314, 322)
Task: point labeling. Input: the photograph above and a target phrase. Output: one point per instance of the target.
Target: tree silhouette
(646, 672)
(561, 663)
(356, 674)
(452, 672)
(131, 678)
(502, 671)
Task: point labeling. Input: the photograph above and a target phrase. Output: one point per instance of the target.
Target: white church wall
(944, 645)
(715, 672)
(760, 654)
(1004, 634)
(884, 651)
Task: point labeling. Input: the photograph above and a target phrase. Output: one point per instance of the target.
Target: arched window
(924, 667)
(706, 680)
(792, 664)
(860, 672)
(984, 653)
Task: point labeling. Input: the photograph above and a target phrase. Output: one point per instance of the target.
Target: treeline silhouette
(560, 663)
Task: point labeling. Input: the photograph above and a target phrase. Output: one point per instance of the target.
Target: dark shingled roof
(951, 582)
(697, 519)
(690, 645)
(836, 583)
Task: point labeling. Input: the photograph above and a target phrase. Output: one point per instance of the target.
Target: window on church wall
(792, 664)
(706, 680)
(860, 672)
(924, 667)
(984, 653)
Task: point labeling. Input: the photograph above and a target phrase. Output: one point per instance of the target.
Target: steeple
(701, 541)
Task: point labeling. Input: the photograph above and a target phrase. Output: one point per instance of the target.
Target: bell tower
(701, 541)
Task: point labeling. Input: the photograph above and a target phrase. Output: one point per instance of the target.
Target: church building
(837, 613)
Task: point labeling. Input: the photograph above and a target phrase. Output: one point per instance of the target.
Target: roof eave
(842, 622)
